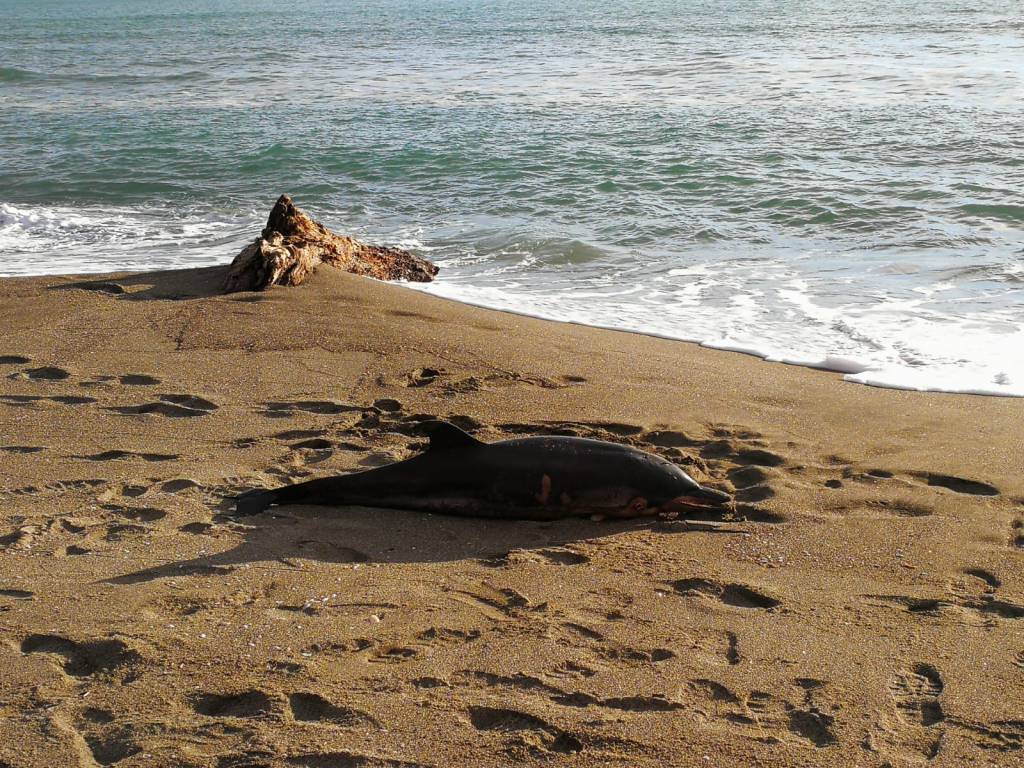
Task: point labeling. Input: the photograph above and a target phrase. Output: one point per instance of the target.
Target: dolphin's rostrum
(532, 478)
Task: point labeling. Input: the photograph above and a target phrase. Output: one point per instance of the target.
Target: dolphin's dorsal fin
(444, 436)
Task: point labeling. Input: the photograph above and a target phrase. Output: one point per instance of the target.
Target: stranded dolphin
(531, 478)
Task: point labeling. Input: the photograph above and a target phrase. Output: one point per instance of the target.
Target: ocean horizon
(835, 186)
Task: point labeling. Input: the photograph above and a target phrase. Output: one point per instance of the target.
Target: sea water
(833, 184)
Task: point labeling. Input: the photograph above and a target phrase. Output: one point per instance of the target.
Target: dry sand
(869, 611)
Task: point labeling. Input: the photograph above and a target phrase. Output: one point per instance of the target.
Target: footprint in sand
(343, 759)
(739, 454)
(496, 603)
(312, 708)
(253, 703)
(139, 514)
(62, 399)
(600, 650)
(903, 507)
(138, 380)
(119, 455)
(583, 631)
(313, 444)
(620, 654)
(108, 741)
(329, 551)
(665, 438)
(130, 491)
(44, 373)
(958, 484)
(735, 595)
(300, 434)
(715, 648)
(761, 715)
(197, 528)
(57, 487)
(278, 409)
(428, 639)
(563, 556)
(16, 594)
(464, 386)
(178, 485)
(387, 405)
(511, 722)
(932, 479)
(21, 538)
(171, 405)
(975, 583)
(735, 432)
(86, 658)
(972, 598)
(915, 692)
(620, 703)
(127, 379)
(73, 399)
(421, 377)
(991, 581)
(120, 531)
(752, 483)
(553, 556)
(575, 699)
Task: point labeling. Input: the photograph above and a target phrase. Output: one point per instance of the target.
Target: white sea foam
(43, 240)
(890, 342)
(813, 310)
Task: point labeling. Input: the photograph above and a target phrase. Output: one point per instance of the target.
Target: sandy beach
(863, 607)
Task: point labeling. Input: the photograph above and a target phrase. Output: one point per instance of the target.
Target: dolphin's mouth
(700, 498)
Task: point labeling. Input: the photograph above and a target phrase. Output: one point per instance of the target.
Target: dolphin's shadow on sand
(363, 534)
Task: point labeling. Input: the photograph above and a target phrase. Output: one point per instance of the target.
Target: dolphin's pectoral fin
(444, 436)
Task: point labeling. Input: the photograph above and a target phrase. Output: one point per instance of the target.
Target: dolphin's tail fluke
(255, 501)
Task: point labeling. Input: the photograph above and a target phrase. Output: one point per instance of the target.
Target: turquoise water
(832, 184)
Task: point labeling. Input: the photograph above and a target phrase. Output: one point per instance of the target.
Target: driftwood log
(293, 245)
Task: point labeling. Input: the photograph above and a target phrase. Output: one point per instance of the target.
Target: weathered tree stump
(293, 245)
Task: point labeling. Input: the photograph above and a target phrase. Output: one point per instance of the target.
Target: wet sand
(865, 605)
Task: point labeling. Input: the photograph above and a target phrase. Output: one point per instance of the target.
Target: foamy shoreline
(994, 366)
(925, 379)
